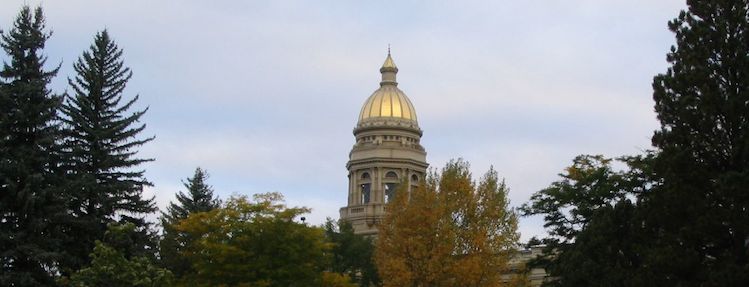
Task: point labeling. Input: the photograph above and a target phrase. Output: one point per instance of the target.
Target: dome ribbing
(388, 101)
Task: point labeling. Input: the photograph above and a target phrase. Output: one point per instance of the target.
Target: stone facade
(536, 276)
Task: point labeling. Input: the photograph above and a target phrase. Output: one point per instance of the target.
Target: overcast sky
(265, 94)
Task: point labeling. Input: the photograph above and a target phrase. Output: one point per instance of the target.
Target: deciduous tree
(447, 231)
(596, 235)
(254, 243)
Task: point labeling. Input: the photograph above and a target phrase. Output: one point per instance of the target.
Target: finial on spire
(389, 64)
(388, 70)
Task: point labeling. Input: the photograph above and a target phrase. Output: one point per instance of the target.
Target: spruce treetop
(197, 198)
(23, 44)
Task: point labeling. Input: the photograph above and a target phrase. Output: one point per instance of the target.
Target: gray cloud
(265, 94)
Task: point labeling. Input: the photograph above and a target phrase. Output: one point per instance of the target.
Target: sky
(264, 95)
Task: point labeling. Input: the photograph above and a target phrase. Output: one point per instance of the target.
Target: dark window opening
(390, 191)
(365, 193)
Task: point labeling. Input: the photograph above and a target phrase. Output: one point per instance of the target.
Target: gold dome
(388, 101)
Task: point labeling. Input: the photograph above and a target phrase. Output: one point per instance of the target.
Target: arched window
(390, 191)
(365, 188)
(391, 175)
(365, 193)
(414, 179)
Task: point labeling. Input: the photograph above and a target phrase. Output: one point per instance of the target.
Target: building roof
(388, 101)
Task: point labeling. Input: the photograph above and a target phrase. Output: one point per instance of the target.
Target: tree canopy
(197, 198)
(700, 215)
(72, 206)
(254, 243)
(447, 231)
(352, 254)
(678, 216)
(590, 214)
(113, 265)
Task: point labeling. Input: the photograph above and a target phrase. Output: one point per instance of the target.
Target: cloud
(264, 95)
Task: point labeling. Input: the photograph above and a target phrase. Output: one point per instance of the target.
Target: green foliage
(31, 207)
(700, 216)
(683, 219)
(589, 184)
(608, 252)
(100, 148)
(253, 243)
(111, 266)
(199, 198)
(448, 231)
(595, 234)
(351, 254)
(330, 279)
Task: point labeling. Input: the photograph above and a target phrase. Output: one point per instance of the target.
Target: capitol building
(387, 152)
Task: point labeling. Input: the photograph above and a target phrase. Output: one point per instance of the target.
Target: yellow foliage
(253, 243)
(332, 279)
(447, 232)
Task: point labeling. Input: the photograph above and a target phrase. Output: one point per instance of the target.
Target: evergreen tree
(700, 216)
(30, 206)
(199, 198)
(352, 254)
(113, 264)
(690, 223)
(101, 141)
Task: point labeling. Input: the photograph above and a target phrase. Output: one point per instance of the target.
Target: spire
(388, 71)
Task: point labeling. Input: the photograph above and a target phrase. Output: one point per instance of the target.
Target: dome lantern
(389, 70)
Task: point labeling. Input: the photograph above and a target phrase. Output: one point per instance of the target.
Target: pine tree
(101, 141)
(700, 216)
(30, 205)
(199, 198)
